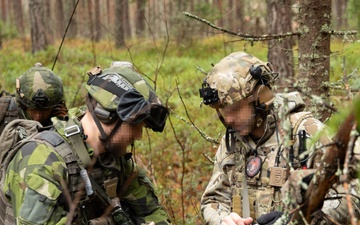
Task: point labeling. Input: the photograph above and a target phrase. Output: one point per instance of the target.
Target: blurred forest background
(174, 51)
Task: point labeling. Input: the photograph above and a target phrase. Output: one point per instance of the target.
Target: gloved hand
(296, 184)
(269, 218)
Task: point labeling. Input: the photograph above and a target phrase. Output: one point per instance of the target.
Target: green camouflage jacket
(41, 180)
(224, 193)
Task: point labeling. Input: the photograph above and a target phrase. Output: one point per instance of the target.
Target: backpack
(8, 109)
(15, 134)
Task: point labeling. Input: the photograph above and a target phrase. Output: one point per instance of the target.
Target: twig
(206, 137)
(350, 148)
(312, 97)
(247, 37)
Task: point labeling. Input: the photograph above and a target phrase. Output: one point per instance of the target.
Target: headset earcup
(264, 97)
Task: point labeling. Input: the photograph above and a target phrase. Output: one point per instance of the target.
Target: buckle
(72, 130)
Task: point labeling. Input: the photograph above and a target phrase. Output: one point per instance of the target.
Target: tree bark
(280, 52)
(140, 18)
(3, 11)
(19, 20)
(60, 20)
(126, 19)
(89, 19)
(340, 13)
(97, 23)
(314, 52)
(239, 16)
(49, 23)
(37, 23)
(69, 8)
(119, 27)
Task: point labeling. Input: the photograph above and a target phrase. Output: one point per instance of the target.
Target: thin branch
(353, 136)
(342, 33)
(247, 37)
(206, 137)
(323, 103)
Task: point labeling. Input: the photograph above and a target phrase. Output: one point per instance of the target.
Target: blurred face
(41, 115)
(240, 116)
(125, 136)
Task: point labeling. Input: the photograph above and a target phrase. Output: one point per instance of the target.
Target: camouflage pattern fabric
(125, 78)
(232, 79)
(336, 206)
(134, 100)
(8, 109)
(39, 175)
(224, 191)
(39, 88)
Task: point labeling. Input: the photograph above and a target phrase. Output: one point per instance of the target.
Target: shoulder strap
(74, 135)
(296, 124)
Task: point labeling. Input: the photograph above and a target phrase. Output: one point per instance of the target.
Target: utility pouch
(102, 221)
(120, 216)
(278, 176)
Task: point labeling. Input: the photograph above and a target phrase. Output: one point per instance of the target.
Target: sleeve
(335, 206)
(32, 185)
(143, 202)
(216, 199)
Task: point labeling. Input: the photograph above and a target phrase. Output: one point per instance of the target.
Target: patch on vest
(278, 176)
(253, 166)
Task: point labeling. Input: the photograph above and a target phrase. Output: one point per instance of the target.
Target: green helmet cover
(39, 88)
(134, 101)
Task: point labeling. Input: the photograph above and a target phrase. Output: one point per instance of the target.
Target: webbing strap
(109, 86)
(73, 133)
(245, 200)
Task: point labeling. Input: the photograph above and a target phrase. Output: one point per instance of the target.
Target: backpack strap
(8, 107)
(75, 136)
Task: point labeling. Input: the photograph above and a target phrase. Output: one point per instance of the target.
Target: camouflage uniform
(41, 171)
(38, 88)
(225, 193)
(44, 180)
(8, 109)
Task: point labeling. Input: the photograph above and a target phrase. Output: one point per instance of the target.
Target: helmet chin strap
(103, 137)
(229, 135)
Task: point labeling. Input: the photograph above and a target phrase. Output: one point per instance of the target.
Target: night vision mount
(209, 95)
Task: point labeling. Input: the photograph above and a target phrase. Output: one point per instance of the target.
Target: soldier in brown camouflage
(268, 136)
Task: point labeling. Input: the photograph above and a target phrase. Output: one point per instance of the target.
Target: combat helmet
(238, 76)
(39, 88)
(121, 92)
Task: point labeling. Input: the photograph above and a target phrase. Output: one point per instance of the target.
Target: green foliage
(179, 159)
(356, 106)
(354, 16)
(7, 31)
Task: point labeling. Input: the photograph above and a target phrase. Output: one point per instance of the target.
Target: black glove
(269, 218)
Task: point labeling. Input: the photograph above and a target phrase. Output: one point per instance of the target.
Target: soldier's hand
(235, 219)
(269, 218)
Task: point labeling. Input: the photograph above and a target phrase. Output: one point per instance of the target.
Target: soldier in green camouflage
(39, 96)
(82, 172)
(268, 136)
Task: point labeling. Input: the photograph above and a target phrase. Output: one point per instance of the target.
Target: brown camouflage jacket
(224, 193)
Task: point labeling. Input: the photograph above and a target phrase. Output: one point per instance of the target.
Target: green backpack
(15, 134)
(8, 109)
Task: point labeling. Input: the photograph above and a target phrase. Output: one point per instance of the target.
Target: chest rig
(97, 191)
(260, 171)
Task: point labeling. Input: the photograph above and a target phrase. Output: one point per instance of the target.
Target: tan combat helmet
(238, 76)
